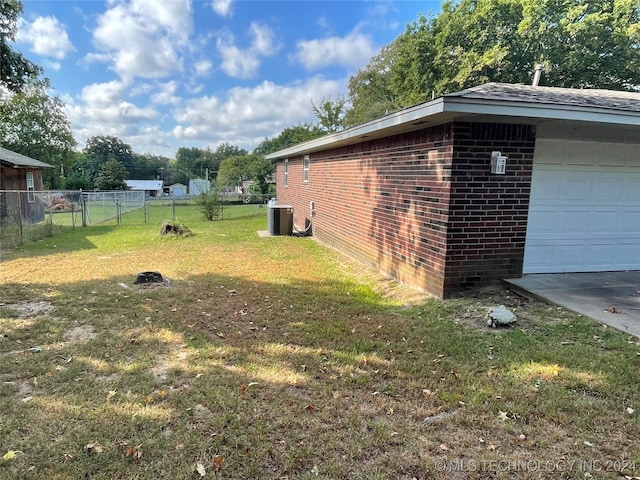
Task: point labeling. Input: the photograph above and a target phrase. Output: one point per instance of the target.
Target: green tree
(370, 92)
(111, 176)
(99, 150)
(76, 181)
(195, 162)
(330, 113)
(288, 137)
(33, 123)
(261, 171)
(235, 170)
(582, 44)
(15, 69)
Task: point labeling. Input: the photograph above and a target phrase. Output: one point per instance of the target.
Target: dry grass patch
(248, 366)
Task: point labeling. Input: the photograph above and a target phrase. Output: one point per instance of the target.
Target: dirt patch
(80, 333)
(175, 358)
(30, 309)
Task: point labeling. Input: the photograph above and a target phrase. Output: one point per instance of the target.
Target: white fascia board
(396, 119)
(459, 106)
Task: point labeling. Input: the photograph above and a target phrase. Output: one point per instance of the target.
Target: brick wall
(421, 207)
(488, 213)
(383, 202)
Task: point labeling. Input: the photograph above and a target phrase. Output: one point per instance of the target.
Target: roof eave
(448, 108)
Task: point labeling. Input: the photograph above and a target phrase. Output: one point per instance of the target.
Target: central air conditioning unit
(280, 219)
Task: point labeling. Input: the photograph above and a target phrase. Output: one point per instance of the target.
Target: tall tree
(370, 93)
(33, 123)
(330, 113)
(197, 163)
(235, 170)
(288, 137)
(581, 43)
(99, 150)
(111, 176)
(15, 68)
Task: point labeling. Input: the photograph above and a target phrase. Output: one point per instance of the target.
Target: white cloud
(202, 68)
(263, 42)
(102, 109)
(247, 115)
(222, 7)
(353, 51)
(235, 62)
(239, 63)
(46, 36)
(143, 38)
(166, 94)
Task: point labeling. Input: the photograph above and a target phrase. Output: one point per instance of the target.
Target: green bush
(211, 204)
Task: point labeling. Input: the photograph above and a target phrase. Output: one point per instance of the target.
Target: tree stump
(170, 228)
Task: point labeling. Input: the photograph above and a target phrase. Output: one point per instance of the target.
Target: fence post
(146, 212)
(83, 209)
(20, 218)
(173, 209)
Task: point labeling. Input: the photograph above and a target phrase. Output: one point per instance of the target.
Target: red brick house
(20, 179)
(414, 193)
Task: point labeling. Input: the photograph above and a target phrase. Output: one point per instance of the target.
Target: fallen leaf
(134, 452)
(10, 455)
(309, 408)
(200, 469)
(217, 462)
(612, 310)
(630, 410)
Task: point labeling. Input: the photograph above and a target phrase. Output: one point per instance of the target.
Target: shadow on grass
(66, 240)
(302, 380)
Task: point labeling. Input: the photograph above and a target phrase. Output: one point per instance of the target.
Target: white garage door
(584, 213)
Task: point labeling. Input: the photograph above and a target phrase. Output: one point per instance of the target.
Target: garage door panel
(573, 222)
(584, 212)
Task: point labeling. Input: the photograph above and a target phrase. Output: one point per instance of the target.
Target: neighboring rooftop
(144, 184)
(17, 160)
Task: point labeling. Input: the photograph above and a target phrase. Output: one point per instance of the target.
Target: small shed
(151, 188)
(178, 190)
(20, 179)
(198, 186)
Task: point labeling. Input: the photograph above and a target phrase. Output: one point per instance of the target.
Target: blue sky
(163, 74)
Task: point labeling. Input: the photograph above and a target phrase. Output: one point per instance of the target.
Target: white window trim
(305, 168)
(286, 172)
(31, 197)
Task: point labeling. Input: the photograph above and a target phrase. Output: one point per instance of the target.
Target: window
(305, 168)
(286, 172)
(31, 196)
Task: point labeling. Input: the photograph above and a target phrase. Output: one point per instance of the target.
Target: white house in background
(152, 188)
(198, 186)
(178, 190)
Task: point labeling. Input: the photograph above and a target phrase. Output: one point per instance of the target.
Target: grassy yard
(271, 358)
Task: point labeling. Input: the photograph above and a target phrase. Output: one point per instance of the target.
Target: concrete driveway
(612, 298)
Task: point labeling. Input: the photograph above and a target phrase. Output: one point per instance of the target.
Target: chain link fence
(33, 215)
